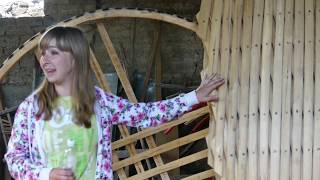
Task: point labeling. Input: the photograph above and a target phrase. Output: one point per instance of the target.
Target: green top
(68, 145)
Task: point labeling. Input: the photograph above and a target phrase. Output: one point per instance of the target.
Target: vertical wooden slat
(285, 160)
(158, 74)
(308, 91)
(254, 90)
(265, 91)
(244, 90)
(219, 159)
(204, 21)
(120, 172)
(215, 38)
(276, 93)
(154, 49)
(233, 93)
(297, 88)
(211, 66)
(98, 72)
(316, 138)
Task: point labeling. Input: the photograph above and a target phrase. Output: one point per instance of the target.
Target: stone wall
(13, 33)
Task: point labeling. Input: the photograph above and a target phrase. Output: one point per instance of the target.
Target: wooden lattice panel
(267, 120)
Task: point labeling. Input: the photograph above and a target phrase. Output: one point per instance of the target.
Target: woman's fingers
(216, 84)
(209, 84)
(61, 174)
(212, 98)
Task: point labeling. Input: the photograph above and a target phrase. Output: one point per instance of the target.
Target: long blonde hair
(72, 40)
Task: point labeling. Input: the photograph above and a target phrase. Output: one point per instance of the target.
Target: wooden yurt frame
(266, 124)
(128, 140)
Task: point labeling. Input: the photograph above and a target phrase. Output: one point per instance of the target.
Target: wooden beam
(286, 122)
(98, 72)
(203, 175)
(276, 93)
(160, 149)
(244, 91)
(172, 165)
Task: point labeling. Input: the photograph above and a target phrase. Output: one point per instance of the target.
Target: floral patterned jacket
(25, 156)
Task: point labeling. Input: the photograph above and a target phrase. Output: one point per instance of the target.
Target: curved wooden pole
(93, 16)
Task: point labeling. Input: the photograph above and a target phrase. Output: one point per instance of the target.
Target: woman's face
(57, 65)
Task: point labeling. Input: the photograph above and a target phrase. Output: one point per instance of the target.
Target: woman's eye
(54, 52)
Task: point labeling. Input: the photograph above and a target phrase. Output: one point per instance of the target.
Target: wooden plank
(219, 159)
(150, 131)
(316, 138)
(254, 91)
(120, 172)
(276, 93)
(210, 63)
(308, 103)
(158, 75)
(298, 56)
(204, 20)
(212, 43)
(202, 175)
(172, 165)
(116, 62)
(161, 149)
(131, 148)
(233, 91)
(242, 162)
(215, 38)
(98, 72)
(266, 61)
(3, 133)
(285, 160)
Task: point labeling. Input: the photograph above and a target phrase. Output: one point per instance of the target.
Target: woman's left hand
(209, 84)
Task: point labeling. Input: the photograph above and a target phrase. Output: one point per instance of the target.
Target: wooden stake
(244, 91)
(297, 89)
(233, 93)
(276, 93)
(316, 138)
(254, 91)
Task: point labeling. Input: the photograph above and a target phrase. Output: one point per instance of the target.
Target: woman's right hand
(61, 174)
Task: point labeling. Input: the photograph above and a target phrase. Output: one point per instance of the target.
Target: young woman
(62, 130)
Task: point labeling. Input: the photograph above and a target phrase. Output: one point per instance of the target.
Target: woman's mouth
(50, 71)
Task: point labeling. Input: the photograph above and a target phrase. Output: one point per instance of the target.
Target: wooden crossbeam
(150, 131)
(171, 165)
(161, 149)
(203, 175)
